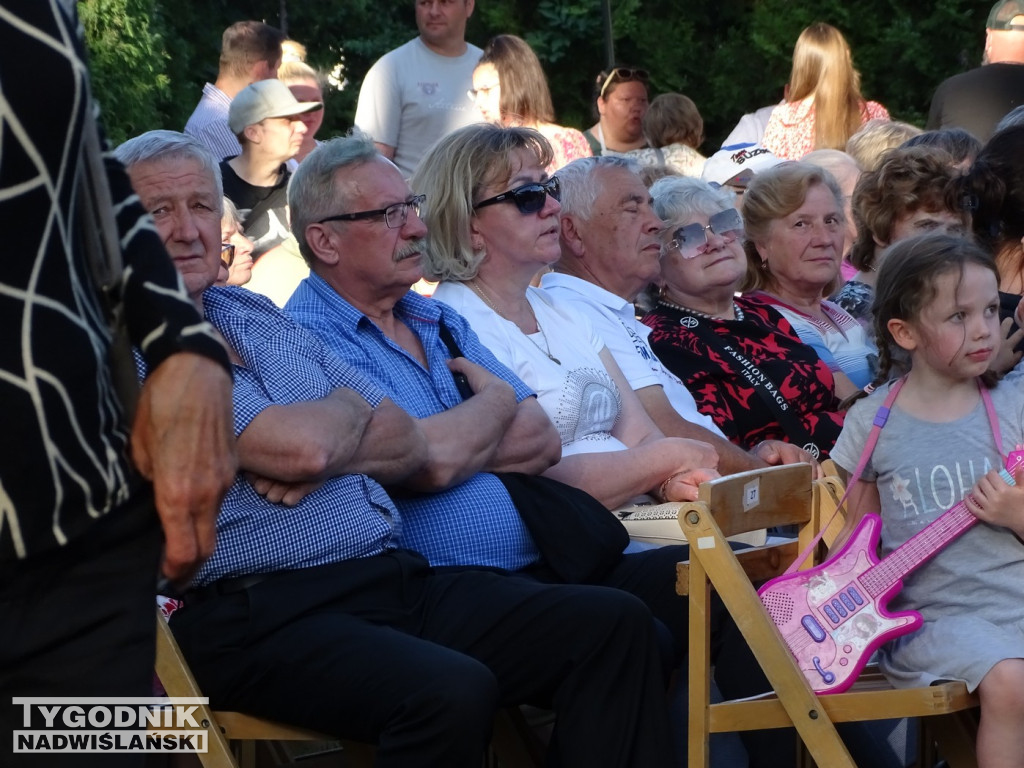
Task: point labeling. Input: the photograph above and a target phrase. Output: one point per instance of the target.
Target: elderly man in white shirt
(611, 252)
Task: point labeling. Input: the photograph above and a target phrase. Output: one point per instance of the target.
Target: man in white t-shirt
(610, 252)
(417, 93)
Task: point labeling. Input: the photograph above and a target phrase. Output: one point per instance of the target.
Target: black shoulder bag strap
(461, 382)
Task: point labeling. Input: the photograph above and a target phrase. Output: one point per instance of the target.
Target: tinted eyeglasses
(623, 74)
(395, 215)
(692, 240)
(227, 254)
(528, 198)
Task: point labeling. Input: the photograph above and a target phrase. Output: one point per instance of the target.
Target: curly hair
(907, 180)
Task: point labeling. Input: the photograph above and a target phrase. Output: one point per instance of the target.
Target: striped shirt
(841, 342)
(209, 123)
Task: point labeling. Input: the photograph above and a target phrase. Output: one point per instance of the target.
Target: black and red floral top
(761, 347)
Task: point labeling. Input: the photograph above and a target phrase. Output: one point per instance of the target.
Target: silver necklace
(546, 349)
(679, 307)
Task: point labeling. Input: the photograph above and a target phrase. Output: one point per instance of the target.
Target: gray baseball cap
(1003, 13)
(263, 99)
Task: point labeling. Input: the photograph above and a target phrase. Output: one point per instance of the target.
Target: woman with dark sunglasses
(492, 219)
(742, 361)
(621, 101)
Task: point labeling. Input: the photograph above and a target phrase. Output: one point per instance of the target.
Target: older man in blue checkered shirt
(309, 612)
(358, 226)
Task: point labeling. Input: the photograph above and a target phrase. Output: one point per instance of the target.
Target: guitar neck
(922, 546)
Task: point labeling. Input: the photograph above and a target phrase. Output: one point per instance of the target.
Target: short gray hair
(168, 145)
(312, 194)
(682, 197)
(580, 190)
(230, 212)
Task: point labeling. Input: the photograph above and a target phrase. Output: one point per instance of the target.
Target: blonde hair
(452, 175)
(774, 194)
(875, 137)
(823, 69)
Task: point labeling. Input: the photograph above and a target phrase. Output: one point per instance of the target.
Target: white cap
(735, 165)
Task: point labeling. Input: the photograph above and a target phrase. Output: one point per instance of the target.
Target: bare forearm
(462, 441)
(615, 477)
(732, 458)
(305, 441)
(393, 446)
(530, 444)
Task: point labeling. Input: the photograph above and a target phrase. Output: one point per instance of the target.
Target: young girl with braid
(937, 304)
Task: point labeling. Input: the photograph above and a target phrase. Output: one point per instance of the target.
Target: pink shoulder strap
(881, 417)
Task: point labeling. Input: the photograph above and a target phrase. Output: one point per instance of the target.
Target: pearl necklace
(680, 308)
(546, 349)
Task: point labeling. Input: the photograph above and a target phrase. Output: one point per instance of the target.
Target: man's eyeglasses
(692, 240)
(395, 215)
(528, 198)
(623, 74)
(227, 254)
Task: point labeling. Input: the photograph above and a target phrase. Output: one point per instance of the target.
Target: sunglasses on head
(623, 74)
(528, 198)
(692, 240)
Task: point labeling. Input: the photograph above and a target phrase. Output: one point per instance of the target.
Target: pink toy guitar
(834, 616)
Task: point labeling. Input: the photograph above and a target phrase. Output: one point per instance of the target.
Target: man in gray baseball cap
(265, 118)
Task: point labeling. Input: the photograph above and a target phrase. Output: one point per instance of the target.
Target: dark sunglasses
(528, 198)
(692, 240)
(227, 254)
(623, 74)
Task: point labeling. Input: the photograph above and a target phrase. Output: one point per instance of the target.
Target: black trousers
(386, 650)
(79, 620)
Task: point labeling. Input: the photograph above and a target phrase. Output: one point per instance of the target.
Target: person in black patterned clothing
(80, 543)
(741, 360)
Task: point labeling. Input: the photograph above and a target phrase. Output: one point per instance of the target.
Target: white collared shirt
(614, 320)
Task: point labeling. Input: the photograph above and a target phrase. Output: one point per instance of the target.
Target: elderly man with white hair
(607, 220)
(309, 612)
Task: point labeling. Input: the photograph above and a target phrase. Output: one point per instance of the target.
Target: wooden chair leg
(954, 735)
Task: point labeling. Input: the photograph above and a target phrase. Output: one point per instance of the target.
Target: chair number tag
(751, 494)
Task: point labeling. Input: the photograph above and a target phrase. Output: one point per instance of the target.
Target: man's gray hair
(579, 188)
(312, 194)
(168, 145)
(682, 197)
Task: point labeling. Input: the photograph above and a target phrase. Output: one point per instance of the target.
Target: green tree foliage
(730, 56)
(127, 63)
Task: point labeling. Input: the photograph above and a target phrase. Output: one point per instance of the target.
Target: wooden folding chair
(232, 736)
(767, 498)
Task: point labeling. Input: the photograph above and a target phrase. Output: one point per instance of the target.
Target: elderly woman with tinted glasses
(492, 222)
(741, 360)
